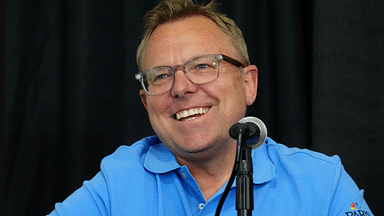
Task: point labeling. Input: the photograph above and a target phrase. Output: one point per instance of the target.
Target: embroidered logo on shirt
(355, 206)
(357, 210)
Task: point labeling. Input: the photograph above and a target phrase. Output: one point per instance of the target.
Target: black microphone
(254, 130)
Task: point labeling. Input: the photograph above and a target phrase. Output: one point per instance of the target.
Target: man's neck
(213, 172)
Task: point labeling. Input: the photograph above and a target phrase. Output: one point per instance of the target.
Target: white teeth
(190, 119)
(191, 112)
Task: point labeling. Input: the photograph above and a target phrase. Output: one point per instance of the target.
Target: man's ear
(143, 97)
(250, 77)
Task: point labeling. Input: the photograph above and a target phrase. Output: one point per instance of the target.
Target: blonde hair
(171, 10)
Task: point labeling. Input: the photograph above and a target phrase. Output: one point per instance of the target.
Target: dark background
(71, 97)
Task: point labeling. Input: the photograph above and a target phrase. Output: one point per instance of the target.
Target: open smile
(190, 114)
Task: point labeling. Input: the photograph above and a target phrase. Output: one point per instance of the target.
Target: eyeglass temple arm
(232, 61)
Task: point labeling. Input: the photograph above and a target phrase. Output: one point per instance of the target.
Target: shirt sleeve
(90, 199)
(348, 199)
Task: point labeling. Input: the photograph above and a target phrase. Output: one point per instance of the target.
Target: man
(197, 82)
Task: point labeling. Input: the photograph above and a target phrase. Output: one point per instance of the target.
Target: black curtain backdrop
(71, 97)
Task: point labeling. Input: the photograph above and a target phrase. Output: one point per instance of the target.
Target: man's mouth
(190, 114)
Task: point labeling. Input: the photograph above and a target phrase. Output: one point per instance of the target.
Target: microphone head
(256, 141)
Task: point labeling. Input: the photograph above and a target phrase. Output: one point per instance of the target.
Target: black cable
(233, 175)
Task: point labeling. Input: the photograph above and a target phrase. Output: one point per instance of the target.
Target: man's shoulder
(300, 157)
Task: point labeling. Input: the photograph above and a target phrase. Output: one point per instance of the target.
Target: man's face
(223, 101)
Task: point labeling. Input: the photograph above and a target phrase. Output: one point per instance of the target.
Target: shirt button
(201, 205)
(184, 175)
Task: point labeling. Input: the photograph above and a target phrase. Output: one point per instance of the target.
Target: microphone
(254, 130)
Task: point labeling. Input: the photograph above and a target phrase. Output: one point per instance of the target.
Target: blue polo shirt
(145, 179)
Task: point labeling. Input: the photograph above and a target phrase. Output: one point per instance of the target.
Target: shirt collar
(159, 159)
(263, 168)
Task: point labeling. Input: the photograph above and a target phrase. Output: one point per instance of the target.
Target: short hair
(172, 10)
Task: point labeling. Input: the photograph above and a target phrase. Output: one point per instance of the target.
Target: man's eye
(161, 77)
(202, 66)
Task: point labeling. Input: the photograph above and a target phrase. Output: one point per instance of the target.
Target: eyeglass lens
(199, 70)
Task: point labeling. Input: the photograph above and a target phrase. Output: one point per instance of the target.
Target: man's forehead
(186, 38)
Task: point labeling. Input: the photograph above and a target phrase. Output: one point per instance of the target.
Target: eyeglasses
(199, 70)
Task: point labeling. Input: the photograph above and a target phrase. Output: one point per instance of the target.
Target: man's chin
(198, 153)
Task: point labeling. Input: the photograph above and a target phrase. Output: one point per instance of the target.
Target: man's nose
(182, 86)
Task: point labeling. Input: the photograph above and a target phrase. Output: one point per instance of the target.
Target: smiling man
(197, 82)
(191, 119)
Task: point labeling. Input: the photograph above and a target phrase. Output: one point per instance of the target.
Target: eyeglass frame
(139, 76)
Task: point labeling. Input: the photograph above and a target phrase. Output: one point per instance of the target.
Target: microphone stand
(244, 181)
(247, 128)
